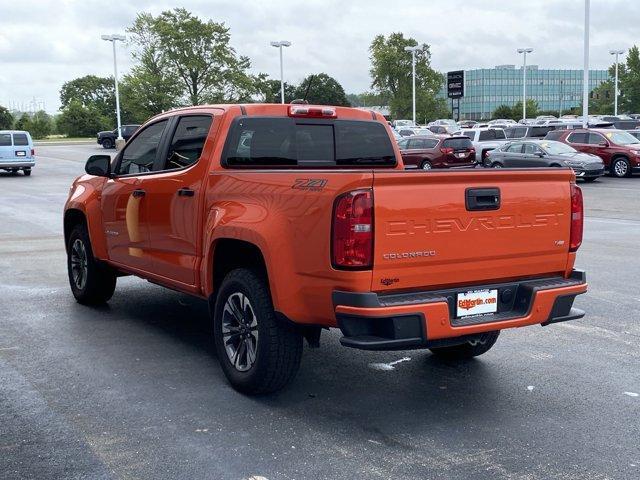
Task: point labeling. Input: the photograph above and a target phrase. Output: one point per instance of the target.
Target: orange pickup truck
(294, 218)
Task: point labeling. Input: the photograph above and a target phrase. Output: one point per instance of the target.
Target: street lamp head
(412, 49)
(114, 37)
(525, 50)
(614, 52)
(281, 43)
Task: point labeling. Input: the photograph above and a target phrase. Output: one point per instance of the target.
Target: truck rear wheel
(469, 349)
(91, 281)
(27, 171)
(258, 352)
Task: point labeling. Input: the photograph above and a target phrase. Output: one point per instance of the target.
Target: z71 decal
(310, 184)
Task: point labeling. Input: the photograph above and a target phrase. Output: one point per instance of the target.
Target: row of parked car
(589, 152)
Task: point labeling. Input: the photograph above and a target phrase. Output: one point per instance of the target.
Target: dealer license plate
(476, 302)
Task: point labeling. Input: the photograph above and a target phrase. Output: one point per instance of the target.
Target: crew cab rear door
(174, 198)
(460, 227)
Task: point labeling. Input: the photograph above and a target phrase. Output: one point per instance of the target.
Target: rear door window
(596, 139)
(187, 142)
(5, 139)
(286, 142)
(514, 148)
(577, 138)
(20, 139)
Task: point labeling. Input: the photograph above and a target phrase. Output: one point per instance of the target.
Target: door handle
(186, 192)
(138, 193)
(482, 199)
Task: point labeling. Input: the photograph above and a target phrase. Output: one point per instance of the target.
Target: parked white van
(16, 151)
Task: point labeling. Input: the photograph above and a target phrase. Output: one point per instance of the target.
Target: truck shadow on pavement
(344, 378)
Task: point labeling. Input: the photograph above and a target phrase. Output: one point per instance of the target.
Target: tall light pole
(585, 74)
(615, 95)
(280, 44)
(524, 81)
(113, 39)
(413, 51)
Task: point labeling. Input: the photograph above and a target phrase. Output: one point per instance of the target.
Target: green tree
(367, 99)
(269, 90)
(629, 82)
(391, 76)
(41, 124)
(532, 110)
(90, 91)
(6, 119)
(601, 99)
(321, 89)
(23, 122)
(503, 111)
(195, 52)
(77, 120)
(151, 87)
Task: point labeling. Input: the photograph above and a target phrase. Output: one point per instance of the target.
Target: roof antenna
(303, 101)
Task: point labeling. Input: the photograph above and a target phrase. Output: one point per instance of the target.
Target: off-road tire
(278, 349)
(100, 281)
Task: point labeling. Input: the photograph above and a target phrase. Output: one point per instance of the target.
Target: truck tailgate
(426, 236)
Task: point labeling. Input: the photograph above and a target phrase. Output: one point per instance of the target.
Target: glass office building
(486, 89)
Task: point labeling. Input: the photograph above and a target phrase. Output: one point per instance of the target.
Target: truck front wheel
(91, 281)
(471, 348)
(258, 352)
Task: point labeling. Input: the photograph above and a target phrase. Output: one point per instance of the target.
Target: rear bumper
(17, 164)
(427, 319)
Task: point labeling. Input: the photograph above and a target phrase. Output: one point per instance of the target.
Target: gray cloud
(44, 43)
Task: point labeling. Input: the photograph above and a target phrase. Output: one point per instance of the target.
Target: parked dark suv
(427, 152)
(108, 138)
(619, 150)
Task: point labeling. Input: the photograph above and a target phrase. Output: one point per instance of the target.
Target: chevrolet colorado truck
(290, 219)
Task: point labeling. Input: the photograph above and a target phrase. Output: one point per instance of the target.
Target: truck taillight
(352, 230)
(577, 218)
(33, 152)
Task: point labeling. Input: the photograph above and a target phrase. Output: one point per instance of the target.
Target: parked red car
(619, 150)
(428, 152)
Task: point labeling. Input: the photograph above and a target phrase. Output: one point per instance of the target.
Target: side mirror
(98, 165)
(603, 144)
(540, 154)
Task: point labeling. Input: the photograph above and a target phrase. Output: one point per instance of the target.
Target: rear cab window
(281, 142)
(5, 140)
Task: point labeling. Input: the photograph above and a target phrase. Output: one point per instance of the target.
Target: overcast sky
(44, 43)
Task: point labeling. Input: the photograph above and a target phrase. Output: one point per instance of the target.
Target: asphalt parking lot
(134, 389)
